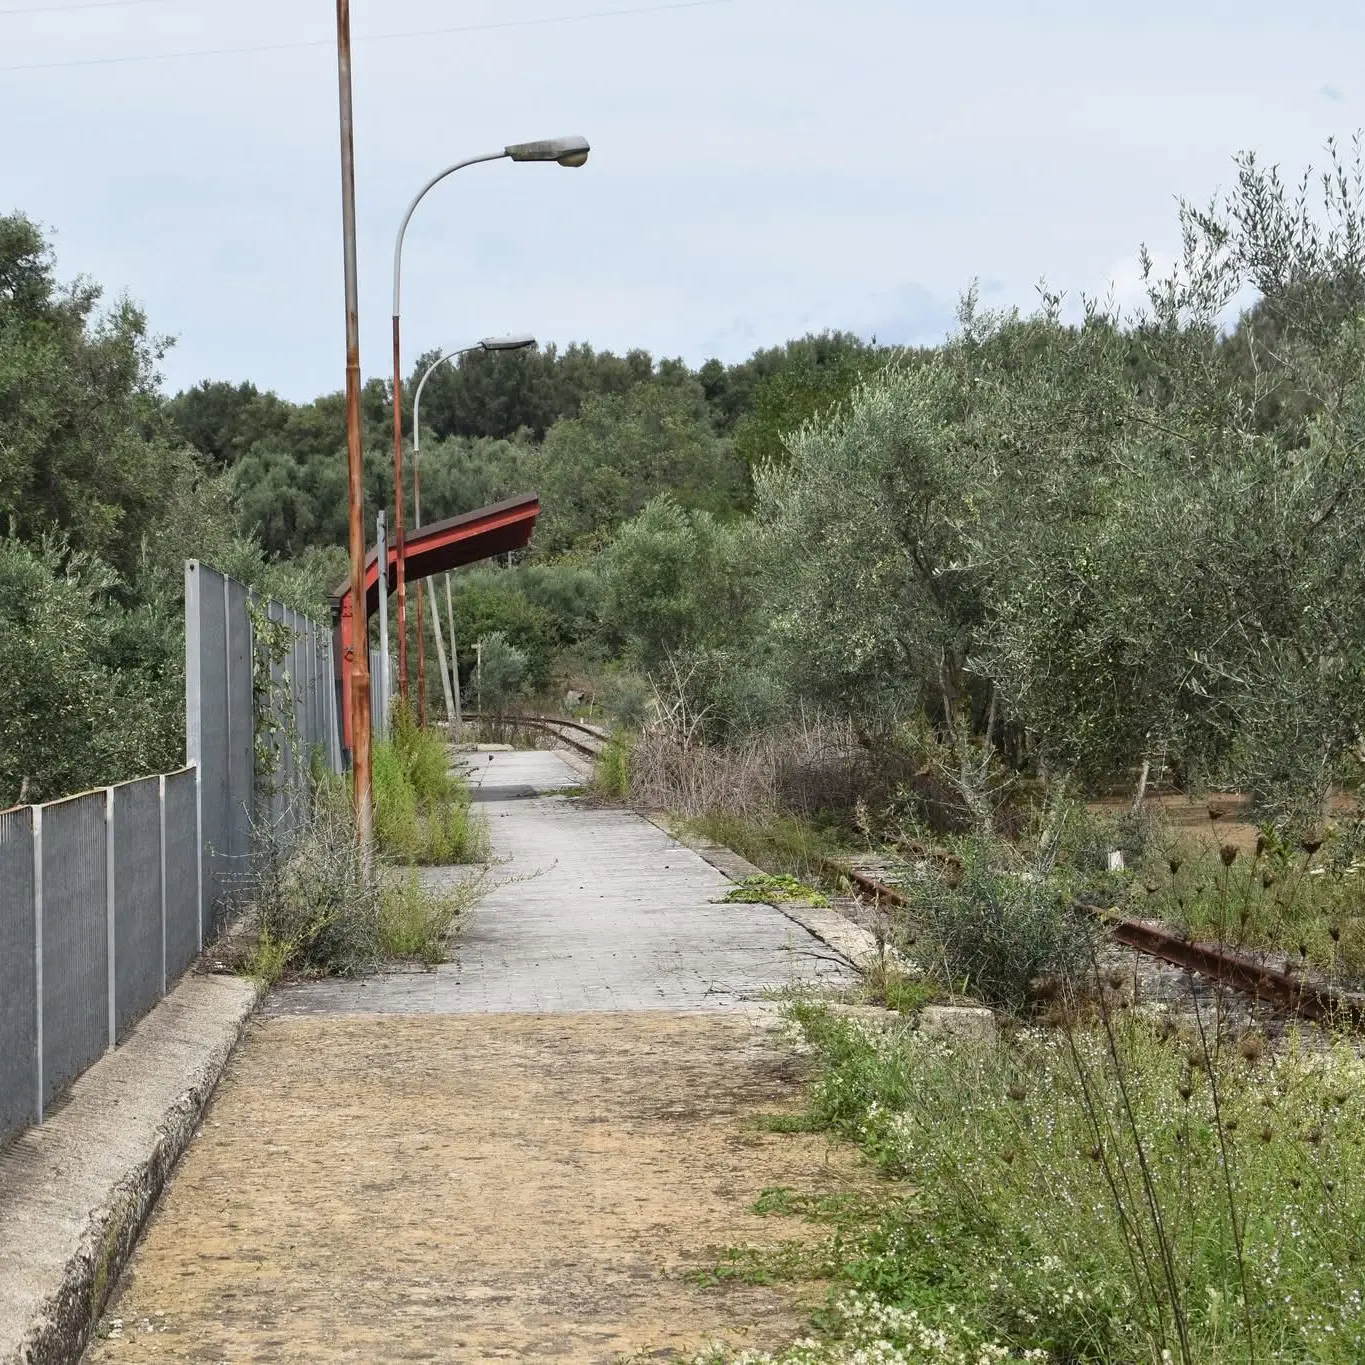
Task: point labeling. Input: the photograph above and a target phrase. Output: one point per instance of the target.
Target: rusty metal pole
(421, 643)
(400, 542)
(358, 662)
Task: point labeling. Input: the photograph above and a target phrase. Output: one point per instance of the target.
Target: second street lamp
(566, 151)
(450, 685)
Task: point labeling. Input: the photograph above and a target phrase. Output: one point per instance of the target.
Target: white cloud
(760, 167)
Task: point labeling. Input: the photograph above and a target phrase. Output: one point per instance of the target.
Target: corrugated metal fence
(107, 897)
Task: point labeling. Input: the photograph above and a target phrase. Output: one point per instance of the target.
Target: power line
(370, 38)
(81, 4)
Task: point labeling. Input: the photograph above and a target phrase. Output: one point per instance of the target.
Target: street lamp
(566, 151)
(491, 345)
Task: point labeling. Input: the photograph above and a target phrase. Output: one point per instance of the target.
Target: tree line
(1090, 547)
(107, 485)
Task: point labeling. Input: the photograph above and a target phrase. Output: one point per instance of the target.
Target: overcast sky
(760, 168)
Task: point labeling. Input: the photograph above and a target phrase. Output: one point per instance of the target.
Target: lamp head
(512, 343)
(568, 151)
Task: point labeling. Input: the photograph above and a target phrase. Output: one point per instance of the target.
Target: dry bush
(800, 768)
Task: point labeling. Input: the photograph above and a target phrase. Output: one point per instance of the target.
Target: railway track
(1283, 991)
(587, 740)
(1247, 975)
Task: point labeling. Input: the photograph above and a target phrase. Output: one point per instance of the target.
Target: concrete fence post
(109, 912)
(38, 954)
(161, 810)
(194, 726)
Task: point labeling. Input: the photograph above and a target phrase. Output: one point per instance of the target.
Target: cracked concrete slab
(594, 909)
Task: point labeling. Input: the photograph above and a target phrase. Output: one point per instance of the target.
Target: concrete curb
(75, 1193)
(851, 941)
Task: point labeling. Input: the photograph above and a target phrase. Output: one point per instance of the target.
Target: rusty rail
(551, 725)
(1308, 999)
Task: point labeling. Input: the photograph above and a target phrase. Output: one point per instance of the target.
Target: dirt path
(474, 1188)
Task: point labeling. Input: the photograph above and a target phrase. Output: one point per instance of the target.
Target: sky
(760, 168)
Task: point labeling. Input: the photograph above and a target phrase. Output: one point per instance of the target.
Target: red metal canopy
(432, 549)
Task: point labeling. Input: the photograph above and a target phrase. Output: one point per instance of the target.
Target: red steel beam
(438, 546)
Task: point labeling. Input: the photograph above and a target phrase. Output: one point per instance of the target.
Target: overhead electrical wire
(331, 42)
(79, 4)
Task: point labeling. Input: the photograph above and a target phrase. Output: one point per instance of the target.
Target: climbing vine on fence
(274, 727)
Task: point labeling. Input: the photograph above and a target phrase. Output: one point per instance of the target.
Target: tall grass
(422, 810)
(790, 845)
(318, 909)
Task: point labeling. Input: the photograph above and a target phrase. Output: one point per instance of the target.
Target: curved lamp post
(450, 684)
(566, 151)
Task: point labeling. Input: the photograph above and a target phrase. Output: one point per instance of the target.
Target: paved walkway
(594, 909)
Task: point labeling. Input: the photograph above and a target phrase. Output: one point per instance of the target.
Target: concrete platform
(595, 909)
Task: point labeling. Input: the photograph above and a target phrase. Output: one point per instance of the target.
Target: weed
(1302, 898)
(773, 889)
(417, 921)
(317, 909)
(996, 928)
(908, 995)
(422, 811)
(611, 774)
(1105, 1194)
(793, 845)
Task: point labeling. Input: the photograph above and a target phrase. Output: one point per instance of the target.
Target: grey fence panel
(382, 689)
(137, 900)
(75, 951)
(272, 784)
(221, 723)
(211, 706)
(182, 874)
(18, 975)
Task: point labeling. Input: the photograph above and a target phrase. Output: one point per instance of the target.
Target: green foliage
(422, 811)
(1102, 1195)
(611, 772)
(811, 379)
(994, 928)
(502, 395)
(501, 672)
(597, 470)
(94, 690)
(772, 889)
(492, 602)
(673, 583)
(82, 445)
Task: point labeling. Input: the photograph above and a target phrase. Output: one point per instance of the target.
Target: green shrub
(994, 930)
(611, 772)
(1112, 1194)
(422, 811)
